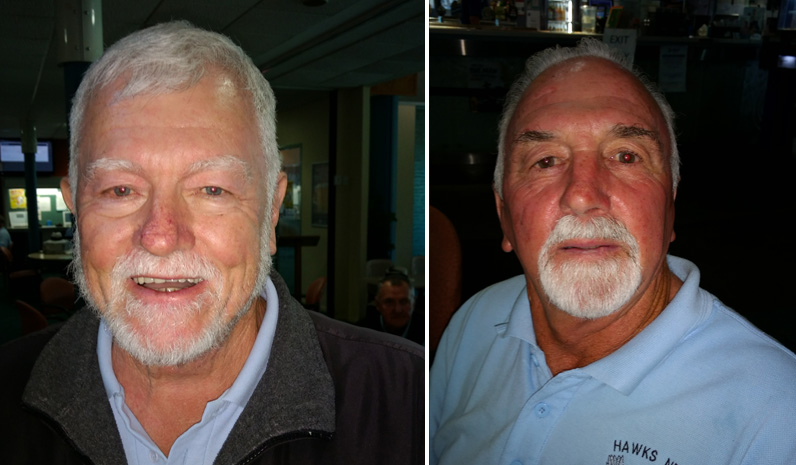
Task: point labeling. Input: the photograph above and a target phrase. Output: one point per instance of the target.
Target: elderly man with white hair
(192, 350)
(605, 350)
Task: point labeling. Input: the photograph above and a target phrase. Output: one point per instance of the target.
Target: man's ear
(505, 223)
(66, 192)
(279, 196)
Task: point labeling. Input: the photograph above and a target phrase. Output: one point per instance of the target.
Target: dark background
(735, 124)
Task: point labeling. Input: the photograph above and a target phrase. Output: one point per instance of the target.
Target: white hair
(542, 61)
(171, 57)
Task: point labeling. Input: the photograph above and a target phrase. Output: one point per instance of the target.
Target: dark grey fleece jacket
(332, 393)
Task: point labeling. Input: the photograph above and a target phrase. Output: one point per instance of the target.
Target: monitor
(12, 160)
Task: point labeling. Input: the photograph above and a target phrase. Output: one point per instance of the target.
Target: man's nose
(166, 228)
(586, 189)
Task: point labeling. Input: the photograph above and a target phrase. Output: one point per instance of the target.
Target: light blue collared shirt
(201, 442)
(699, 385)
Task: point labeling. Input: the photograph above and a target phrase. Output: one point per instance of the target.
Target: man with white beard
(192, 350)
(605, 350)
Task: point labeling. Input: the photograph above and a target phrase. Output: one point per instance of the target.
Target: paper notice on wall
(622, 39)
(45, 204)
(18, 219)
(672, 69)
(59, 202)
(18, 199)
(484, 74)
(533, 19)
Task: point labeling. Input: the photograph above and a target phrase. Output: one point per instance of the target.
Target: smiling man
(605, 350)
(192, 350)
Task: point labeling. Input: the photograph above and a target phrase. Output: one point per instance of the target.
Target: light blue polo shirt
(201, 442)
(698, 386)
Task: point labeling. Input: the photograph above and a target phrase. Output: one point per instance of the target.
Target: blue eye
(121, 191)
(213, 190)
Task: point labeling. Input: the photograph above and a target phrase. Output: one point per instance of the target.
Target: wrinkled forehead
(591, 79)
(586, 77)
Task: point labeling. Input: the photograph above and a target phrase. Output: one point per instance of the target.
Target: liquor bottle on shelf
(559, 15)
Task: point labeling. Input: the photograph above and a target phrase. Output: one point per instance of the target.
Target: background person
(5, 236)
(394, 306)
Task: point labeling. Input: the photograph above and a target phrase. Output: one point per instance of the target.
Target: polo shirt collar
(628, 366)
(519, 323)
(625, 368)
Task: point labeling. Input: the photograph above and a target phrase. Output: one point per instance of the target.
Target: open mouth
(166, 285)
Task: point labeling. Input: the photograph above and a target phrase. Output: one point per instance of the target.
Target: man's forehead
(589, 79)
(389, 286)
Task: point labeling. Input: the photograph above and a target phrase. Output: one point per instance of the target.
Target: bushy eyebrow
(224, 163)
(635, 132)
(620, 131)
(535, 136)
(109, 164)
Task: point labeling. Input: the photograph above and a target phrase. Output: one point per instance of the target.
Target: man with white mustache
(605, 350)
(192, 350)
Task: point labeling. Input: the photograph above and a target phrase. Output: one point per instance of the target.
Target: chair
(58, 296)
(377, 268)
(31, 319)
(312, 300)
(444, 275)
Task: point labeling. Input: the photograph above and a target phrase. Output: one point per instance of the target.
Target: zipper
(284, 439)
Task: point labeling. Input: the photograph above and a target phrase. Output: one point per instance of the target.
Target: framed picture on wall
(290, 211)
(320, 195)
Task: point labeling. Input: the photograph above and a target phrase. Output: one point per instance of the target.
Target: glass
(589, 19)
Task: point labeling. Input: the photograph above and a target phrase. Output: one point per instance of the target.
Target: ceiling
(304, 51)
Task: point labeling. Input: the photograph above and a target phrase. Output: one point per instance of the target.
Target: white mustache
(178, 264)
(599, 227)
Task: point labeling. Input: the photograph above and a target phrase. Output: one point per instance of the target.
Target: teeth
(148, 280)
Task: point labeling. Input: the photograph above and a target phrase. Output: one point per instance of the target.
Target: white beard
(590, 290)
(161, 343)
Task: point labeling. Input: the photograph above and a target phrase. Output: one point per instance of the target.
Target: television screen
(12, 160)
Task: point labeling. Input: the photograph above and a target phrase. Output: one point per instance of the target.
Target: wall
(404, 185)
(308, 126)
(353, 135)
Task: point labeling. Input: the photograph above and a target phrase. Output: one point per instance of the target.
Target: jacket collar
(295, 396)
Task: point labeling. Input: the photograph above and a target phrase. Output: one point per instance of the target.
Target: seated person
(5, 237)
(393, 308)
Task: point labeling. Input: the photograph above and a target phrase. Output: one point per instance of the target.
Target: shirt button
(535, 360)
(541, 409)
(153, 456)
